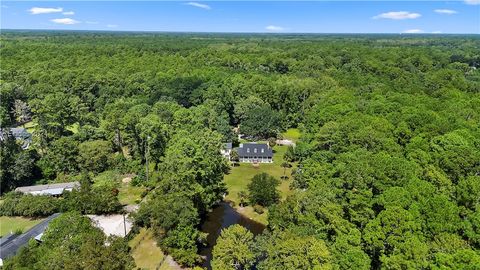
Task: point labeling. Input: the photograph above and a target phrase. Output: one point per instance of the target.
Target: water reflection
(223, 216)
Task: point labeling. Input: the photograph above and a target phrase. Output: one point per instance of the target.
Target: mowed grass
(292, 134)
(32, 127)
(145, 252)
(240, 176)
(129, 194)
(12, 224)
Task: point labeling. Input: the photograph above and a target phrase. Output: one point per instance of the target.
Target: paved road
(9, 245)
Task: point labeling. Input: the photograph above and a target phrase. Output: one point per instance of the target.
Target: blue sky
(247, 16)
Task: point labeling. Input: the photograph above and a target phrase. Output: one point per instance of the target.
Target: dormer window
(248, 150)
(255, 150)
(263, 150)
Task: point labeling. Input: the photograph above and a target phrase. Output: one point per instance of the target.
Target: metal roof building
(50, 189)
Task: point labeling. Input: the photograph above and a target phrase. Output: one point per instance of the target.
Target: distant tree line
(388, 173)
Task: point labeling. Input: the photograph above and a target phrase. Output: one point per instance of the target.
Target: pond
(223, 216)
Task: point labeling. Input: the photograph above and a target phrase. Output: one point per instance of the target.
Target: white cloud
(65, 21)
(68, 13)
(445, 11)
(112, 25)
(398, 15)
(39, 10)
(274, 28)
(436, 32)
(199, 5)
(413, 31)
(472, 2)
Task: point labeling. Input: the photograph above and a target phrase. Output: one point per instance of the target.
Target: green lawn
(12, 224)
(239, 177)
(145, 252)
(32, 125)
(129, 194)
(292, 134)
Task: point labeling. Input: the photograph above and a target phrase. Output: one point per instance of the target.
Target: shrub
(17, 204)
(258, 209)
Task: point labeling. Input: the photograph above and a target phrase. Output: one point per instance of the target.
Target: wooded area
(388, 173)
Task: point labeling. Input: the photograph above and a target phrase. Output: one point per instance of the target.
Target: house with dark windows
(255, 153)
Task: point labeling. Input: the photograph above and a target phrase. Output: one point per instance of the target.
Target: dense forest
(388, 173)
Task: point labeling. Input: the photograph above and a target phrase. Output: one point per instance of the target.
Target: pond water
(223, 216)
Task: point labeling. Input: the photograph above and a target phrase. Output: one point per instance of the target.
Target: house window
(263, 150)
(248, 150)
(255, 150)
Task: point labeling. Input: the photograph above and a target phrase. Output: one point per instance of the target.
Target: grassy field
(146, 253)
(240, 176)
(32, 125)
(292, 134)
(12, 224)
(129, 194)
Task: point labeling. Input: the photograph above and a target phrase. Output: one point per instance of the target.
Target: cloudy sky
(461, 16)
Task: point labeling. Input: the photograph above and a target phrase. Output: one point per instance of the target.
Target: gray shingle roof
(19, 134)
(10, 244)
(254, 150)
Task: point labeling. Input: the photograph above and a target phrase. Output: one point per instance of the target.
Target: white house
(227, 150)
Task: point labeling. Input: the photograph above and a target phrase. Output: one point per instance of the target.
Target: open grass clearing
(146, 253)
(292, 134)
(14, 224)
(239, 177)
(129, 194)
(32, 126)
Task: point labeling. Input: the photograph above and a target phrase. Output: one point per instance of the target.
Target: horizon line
(239, 32)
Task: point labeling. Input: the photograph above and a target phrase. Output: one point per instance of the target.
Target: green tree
(285, 250)
(55, 112)
(242, 196)
(174, 220)
(263, 190)
(285, 165)
(17, 166)
(244, 106)
(233, 249)
(72, 242)
(60, 158)
(95, 155)
(261, 122)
